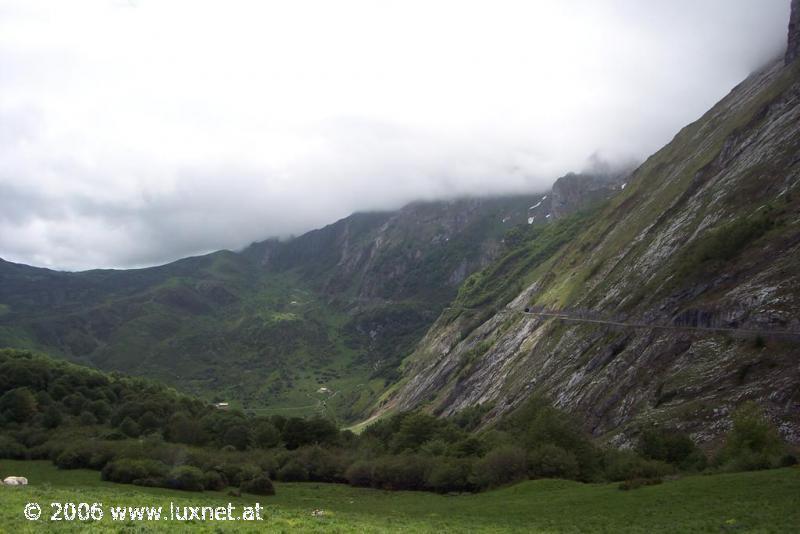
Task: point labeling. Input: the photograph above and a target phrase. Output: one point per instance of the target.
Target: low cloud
(133, 134)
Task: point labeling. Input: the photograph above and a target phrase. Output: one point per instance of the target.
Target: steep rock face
(705, 235)
(424, 250)
(574, 191)
(793, 49)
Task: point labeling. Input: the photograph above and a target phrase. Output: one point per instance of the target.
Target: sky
(137, 132)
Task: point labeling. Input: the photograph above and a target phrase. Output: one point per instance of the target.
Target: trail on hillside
(577, 317)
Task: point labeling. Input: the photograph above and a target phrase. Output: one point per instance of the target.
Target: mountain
(337, 307)
(675, 301)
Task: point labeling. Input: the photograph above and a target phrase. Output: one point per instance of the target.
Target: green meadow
(759, 501)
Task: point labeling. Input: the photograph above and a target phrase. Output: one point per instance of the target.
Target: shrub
(18, 405)
(415, 429)
(321, 464)
(187, 478)
(752, 443)
(130, 428)
(502, 465)
(403, 472)
(238, 436)
(434, 447)
(69, 459)
(87, 418)
(83, 456)
(214, 481)
(671, 446)
(293, 471)
(266, 435)
(360, 473)
(450, 474)
(260, 485)
(627, 465)
(52, 417)
(11, 449)
(637, 483)
(236, 473)
(551, 461)
(128, 471)
(469, 446)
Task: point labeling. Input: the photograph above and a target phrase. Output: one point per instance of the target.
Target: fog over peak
(135, 133)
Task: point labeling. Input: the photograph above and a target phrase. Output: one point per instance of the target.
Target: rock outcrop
(793, 48)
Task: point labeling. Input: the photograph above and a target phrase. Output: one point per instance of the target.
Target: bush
(788, 460)
(236, 473)
(321, 465)
(69, 459)
(186, 478)
(293, 471)
(637, 483)
(502, 465)
(18, 405)
(130, 428)
(260, 485)
(753, 442)
(214, 481)
(360, 473)
(551, 461)
(87, 418)
(127, 471)
(627, 465)
(83, 456)
(404, 472)
(52, 417)
(665, 444)
(266, 435)
(450, 474)
(238, 436)
(11, 449)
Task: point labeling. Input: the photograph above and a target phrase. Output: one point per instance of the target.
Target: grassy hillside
(743, 502)
(215, 326)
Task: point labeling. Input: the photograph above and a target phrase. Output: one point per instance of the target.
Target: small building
(221, 405)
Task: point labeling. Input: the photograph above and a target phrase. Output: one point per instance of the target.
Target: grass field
(764, 501)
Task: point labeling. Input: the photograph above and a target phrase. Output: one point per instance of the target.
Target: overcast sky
(137, 132)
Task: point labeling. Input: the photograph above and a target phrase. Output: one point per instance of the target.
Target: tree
(183, 428)
(416, 429)
(130, 428)
(500, 466)
(753, 442)
(266, 435)
(18, 405)
(52, 417)
(238, 436)
(149, 421)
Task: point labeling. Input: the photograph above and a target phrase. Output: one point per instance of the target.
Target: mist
(135, 133)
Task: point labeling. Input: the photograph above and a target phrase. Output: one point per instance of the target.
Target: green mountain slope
(705, 236)
(268, 327)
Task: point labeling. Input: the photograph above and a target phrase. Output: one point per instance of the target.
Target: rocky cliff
(793, 48)
(672, 302)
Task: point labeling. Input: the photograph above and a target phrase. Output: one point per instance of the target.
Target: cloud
(134, 133)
